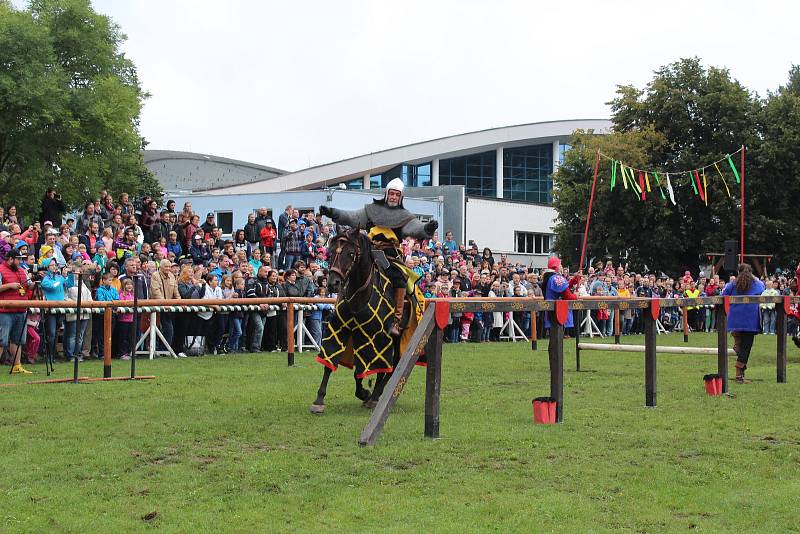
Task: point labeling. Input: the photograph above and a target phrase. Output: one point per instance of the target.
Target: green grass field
(226, 443)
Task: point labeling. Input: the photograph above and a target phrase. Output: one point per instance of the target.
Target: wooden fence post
(685, 324)
(722, 345)
(534, 333)
(556, 353)
(290, 334)
(398, 380)
(650, 334)
(107, 316)
(780, 333)
(617, 320)
(433, 382)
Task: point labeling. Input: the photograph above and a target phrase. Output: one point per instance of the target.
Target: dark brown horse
(360, 310)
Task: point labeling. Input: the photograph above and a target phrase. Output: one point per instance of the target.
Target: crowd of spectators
(160, 252)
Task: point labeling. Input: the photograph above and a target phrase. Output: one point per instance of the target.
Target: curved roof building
(493, 187)
(187, 171)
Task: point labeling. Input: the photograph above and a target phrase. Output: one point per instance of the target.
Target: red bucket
(713, 384)
(544, 410)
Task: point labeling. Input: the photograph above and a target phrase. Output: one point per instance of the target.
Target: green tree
(687, 116)
(69, 106)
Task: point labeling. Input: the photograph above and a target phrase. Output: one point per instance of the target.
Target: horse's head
(344, 254)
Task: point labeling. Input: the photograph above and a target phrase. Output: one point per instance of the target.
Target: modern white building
(494, 187)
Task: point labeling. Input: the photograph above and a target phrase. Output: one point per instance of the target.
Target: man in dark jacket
(208, 226)
(162, 227)
(283, 223)
(53, 207)
(252, 230)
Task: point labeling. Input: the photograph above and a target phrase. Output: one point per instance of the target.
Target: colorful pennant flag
(727, 190)
(670, 191)
(700, 186)
(733, 167)
(641, 185)
(613, 173)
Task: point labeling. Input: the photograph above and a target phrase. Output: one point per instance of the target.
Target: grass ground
(226, 443)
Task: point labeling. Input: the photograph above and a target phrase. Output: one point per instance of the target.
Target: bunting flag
(727, 190)
(660, 189)
(641, 185)
(614, 174)
(698, 178)
(733, 167)
(624, 176)
(699, 186)
(705, 187)
(670, 191)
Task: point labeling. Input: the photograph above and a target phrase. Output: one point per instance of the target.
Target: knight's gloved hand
(430, 227)
(326, 211)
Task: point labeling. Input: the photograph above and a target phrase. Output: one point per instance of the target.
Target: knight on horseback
(388, 223)
(367, 272)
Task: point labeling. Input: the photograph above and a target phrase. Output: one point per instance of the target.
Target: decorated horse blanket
(359, 338)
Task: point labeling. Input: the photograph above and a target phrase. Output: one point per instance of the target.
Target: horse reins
(345, 275)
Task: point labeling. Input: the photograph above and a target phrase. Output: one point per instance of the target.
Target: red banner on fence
(562, 311)
(442, 314)
(655, 309)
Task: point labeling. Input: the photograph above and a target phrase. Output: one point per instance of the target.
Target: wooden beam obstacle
(659, 349)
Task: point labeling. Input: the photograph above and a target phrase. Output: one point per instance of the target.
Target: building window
(375, 181)
(421, 175)
(225, 221)
(528, 173)
(562, 152)
(530, 243)
(476, 172)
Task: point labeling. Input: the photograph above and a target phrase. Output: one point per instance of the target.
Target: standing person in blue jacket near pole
(52, 289)
(744, 320)
(557, 287)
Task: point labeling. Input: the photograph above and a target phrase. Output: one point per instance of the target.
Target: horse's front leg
(380, 382)
(319, 403)
(362, 393)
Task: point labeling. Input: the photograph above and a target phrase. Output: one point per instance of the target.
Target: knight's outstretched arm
(414, 228)
(355, 218)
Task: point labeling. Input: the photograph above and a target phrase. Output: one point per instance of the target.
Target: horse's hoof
(317, 408)
(363, 395)
(370, 404)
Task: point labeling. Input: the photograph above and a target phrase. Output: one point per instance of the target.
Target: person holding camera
(53, 208)
(53, 287)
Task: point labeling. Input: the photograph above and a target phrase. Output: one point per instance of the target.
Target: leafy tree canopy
(686, 117)
(69, 106)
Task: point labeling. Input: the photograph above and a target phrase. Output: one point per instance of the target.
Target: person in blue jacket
(557, 287)
(52, 289)
(744, 320)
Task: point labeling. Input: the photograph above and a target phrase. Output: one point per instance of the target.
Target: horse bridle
(334, 268)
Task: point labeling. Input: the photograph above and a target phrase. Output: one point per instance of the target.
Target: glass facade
(528, 173)
(476, 172)
(562, 151)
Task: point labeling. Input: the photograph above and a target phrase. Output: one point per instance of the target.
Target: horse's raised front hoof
(317, 408)
(370, 404)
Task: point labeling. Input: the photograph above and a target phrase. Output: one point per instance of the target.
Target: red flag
(442, 314)
(700, 186)
(562, 311)
(641, 185)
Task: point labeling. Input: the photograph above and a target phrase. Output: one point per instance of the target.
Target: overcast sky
(293, 84)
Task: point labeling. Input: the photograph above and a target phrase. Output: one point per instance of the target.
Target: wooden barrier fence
(431, 328)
